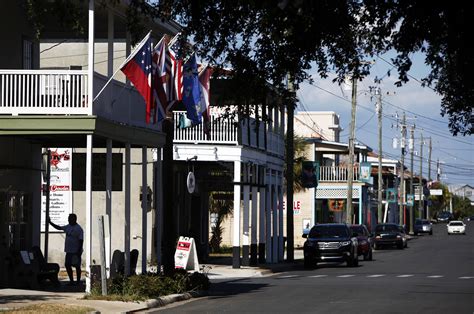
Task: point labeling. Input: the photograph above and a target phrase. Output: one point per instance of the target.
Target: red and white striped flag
(174, 68)
(160, 79)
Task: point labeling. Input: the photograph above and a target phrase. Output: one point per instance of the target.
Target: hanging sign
(410, 199)
(191, 182)
(391, 195)
(185, 256)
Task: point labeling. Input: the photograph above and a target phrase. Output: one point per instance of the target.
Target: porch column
(236, 230)
(253, 245)
(275, 219)
(144, 207)
(90, 58)
(262, 217)
(88, 237)
(246, 217)
(127, 210)
(281, 251)
(268, 216)
(158, 184)
(108, 201)
(110, 42)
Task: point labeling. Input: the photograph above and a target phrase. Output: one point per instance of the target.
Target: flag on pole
(191, 90)
(160, 79)
(138, 69)
(204, 84)
(174, 70)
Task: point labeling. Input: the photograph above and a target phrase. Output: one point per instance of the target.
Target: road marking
(405, 276)
(435, 276)
(345, 276)
(318, 276)
(288, 276)
(375, 276)
(466, 277)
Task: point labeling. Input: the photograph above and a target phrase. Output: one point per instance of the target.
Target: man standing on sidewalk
(72, 246)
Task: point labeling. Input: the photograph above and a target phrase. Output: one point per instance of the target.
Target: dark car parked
(364, 240)
(389, 235)
(423, 226)
(444, 217)
(330, 243)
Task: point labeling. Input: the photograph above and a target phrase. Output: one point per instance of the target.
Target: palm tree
(299, 145)
(220, 209)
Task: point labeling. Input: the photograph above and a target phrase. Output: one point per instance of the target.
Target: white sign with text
(185, 256)
(60, 198)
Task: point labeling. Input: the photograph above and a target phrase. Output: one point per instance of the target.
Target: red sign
(184, 246)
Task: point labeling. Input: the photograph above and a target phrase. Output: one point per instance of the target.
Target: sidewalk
(217, 269)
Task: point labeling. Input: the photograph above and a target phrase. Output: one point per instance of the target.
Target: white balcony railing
(336, 173)
(58, 92)
(229, 130)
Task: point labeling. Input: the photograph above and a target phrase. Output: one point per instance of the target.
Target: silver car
(423, 226)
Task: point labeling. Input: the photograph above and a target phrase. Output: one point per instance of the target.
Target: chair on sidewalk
(45, 270)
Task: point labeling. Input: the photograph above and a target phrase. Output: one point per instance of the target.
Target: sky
(422, 106)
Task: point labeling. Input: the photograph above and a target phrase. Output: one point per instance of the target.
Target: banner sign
(185, 256)
(60, 197)
(365, 171)
(336, 205)
(391, 196)
(309, 174)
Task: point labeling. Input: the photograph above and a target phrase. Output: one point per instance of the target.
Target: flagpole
(126, 60)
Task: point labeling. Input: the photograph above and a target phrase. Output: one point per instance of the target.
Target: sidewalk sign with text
(185, 256)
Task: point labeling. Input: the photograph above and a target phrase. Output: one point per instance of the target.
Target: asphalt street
(435, 274)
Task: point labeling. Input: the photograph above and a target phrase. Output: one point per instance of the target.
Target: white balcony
(230, 131)
(337, 174)
(52, 92)
(64, 92)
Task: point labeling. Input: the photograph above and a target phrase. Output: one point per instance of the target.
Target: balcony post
(90, 59)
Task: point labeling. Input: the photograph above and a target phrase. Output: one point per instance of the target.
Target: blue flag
(191, 90)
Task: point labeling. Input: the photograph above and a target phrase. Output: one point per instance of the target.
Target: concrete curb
(168, 299)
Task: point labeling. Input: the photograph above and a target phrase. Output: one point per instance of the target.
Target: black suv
(330, 243)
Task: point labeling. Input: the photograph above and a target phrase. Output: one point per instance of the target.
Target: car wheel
(370, 255)
(431, 232)
(400, 246)
(355, 262)
(376, 247)
(308, 264)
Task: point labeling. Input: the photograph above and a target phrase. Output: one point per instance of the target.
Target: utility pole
(429, 161)
(402, 172)
(421, 208)
(429, 179)
(349, 207)
(412, 147)
(379, 172)
(438, 171)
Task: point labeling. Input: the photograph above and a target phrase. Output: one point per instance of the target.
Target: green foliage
(462, 207)
(150, 286)
(222, 209)
(299, 148)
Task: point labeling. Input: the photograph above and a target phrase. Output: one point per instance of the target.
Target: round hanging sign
(191, 182)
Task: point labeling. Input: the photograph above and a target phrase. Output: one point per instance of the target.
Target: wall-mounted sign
(436, 192)
(365, 171)
(392, 195)
(410, 199)
(336, 205)
(60, 197)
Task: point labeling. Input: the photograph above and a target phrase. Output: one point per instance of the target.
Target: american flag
(138, 69)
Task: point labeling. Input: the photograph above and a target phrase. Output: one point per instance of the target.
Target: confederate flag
(137, 69)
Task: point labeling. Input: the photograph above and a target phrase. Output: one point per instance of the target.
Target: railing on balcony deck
(227, 130)
(222, 130)
(336, 173)
(43, 92)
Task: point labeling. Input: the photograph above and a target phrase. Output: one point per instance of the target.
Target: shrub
(149, 286)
